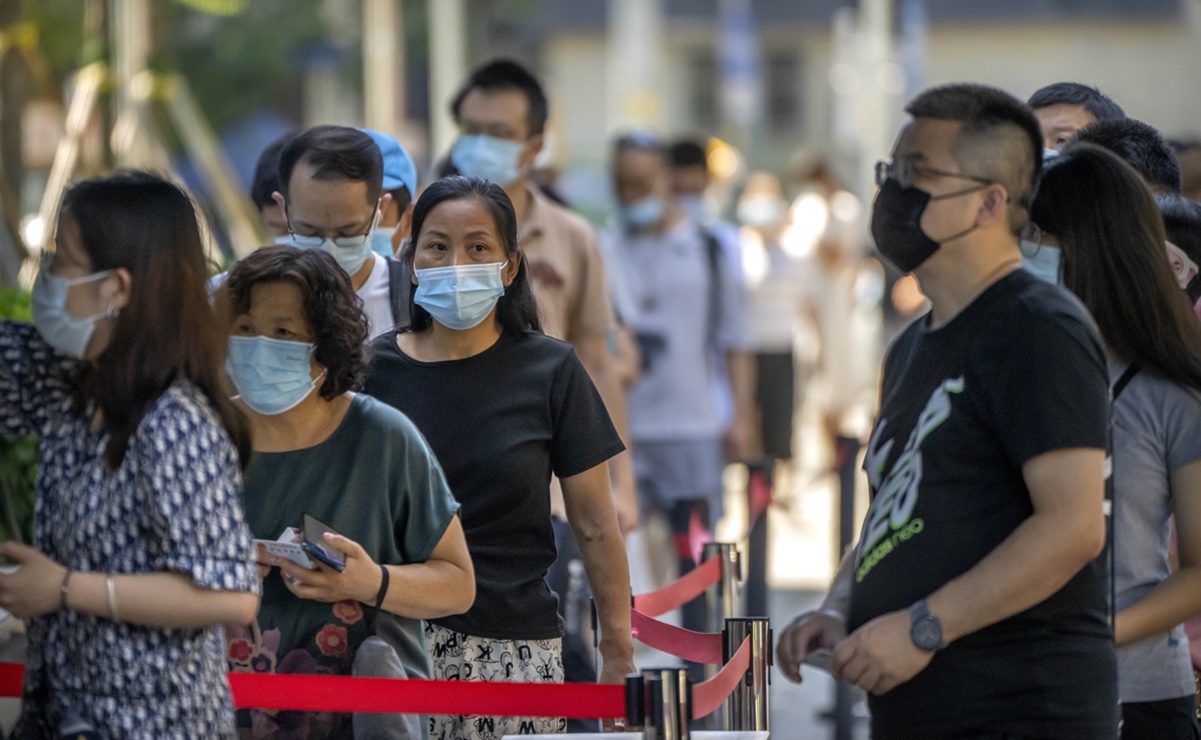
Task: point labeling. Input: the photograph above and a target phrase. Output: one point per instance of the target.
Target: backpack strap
(1123, 381)
(713, 259)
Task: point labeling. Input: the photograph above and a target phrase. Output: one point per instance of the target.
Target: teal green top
(374, 480)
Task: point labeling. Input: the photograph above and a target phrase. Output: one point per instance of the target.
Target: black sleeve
(1053, 388)
(583, 435)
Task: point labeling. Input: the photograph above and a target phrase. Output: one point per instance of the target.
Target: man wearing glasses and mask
(331, 181)
(974, 604)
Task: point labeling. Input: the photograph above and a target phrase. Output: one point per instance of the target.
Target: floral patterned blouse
(173, 505)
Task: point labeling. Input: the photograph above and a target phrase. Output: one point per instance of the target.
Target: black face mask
(897, 224)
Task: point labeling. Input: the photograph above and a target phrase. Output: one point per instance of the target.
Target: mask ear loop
(1032, 233)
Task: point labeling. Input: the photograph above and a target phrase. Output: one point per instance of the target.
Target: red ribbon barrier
(11, 676)
(699, 647)
(690, 585)
(709, 695)
(295, 692)
(345, 694)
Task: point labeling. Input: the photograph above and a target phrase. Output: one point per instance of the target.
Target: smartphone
(314, 543)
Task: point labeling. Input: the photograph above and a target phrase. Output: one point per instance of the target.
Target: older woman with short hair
(357, 465)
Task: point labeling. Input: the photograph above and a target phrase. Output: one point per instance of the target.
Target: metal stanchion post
(844, 694)
(668, 704)
(749, 708)
(722, 598)
(721, 603)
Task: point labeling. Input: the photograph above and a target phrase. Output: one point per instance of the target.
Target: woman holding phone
(339, 461)
(140, 549)
(503, 406)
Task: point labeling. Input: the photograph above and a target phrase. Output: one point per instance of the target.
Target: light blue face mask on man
(643, 213)
(488, 158)
(62, 331)
(460, 296)
(272, 375)
(381, 241)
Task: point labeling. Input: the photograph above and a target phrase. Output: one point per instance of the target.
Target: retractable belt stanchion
(667, 699)
(748, 708)
(722, 601)
(722, 598)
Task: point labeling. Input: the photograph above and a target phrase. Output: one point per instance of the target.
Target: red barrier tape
(691, 585)
(295, 692)
(709, 695)
(346, 694)
(699, 647)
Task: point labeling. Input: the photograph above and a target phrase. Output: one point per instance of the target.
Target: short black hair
(334, 153)
(1182, 223)
(1000, 139)
(687, 153)
(266, 173)
(401, 196)
(506, 74)
(1140, 145)
(639, 141)
(1101, 106)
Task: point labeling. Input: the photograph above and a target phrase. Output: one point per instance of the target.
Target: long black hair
(517, 310)
(168, 331)
(1114, 260)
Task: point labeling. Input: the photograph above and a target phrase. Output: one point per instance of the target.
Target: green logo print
(889, 522)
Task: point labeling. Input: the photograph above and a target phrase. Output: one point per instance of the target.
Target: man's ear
(278, 197)
(533, 147)
(996, 205)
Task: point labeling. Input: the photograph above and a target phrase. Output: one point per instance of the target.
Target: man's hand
(880, 655)
(808, 632)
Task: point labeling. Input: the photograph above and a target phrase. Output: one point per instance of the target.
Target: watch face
(927, 634)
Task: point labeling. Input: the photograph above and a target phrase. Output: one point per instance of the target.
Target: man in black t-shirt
(974, 603)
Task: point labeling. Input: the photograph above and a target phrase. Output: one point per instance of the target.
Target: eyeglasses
(345, 242)
(905, 172)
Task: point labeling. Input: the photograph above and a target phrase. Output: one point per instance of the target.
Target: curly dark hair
(332, 309)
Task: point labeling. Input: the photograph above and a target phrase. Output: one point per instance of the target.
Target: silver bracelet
(112, 598)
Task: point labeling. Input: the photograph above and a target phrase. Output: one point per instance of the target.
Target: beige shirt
(566, 270)
(567, 275)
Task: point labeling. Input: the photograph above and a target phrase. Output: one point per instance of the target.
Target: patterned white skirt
(459, 657)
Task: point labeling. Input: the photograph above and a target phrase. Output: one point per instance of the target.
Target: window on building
(702, 89)
(782, 90)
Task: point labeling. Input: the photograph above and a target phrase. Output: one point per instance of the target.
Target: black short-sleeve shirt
(1018, 373)
(500, 423)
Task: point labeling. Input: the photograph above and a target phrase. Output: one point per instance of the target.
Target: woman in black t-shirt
(503, 407)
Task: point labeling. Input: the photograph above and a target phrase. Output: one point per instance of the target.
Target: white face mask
(761, 212)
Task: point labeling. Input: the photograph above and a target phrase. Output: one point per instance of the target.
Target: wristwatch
(924, 629)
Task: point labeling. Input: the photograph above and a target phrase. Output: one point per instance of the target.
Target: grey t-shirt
(661, 287)
(1156, 430)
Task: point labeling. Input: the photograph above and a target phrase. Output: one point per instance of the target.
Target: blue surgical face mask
(272, 375)
(284, 240)
(350, 252)
(1042, 261)
(1049, 153)
(487, 158)
(62, 331)
(643, 213)
(460, 296)
(381, 241)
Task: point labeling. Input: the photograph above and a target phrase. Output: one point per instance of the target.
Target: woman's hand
(360, 581)
(35, 588)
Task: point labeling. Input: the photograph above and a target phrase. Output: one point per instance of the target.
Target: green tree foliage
(18, 455)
